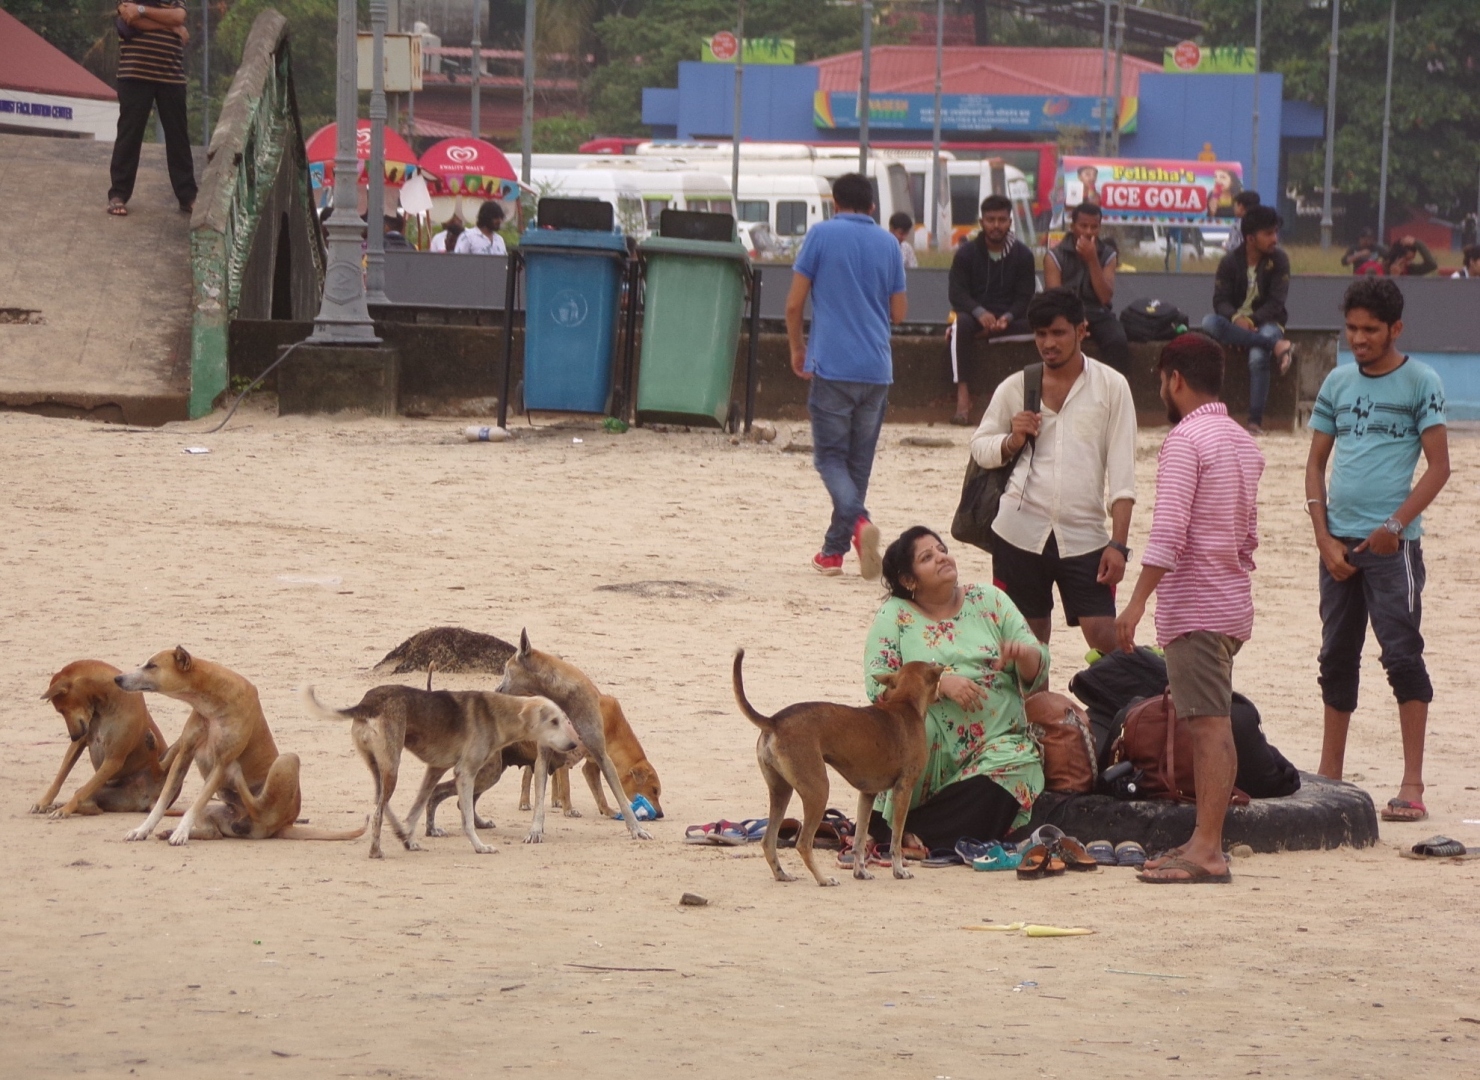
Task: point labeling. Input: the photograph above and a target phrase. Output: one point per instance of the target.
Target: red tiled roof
(31, 63)
(906, 69)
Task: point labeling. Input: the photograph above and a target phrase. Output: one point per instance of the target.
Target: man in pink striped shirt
(1204, 530)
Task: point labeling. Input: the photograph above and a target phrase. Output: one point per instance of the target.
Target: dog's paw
(140, 833)
(436, 831)
(58, 812)
(902, 874)
(49, 808)
(524, 804)
(411, 845)
(640, 833)
(782, 875)
(180, 837)
(861, 874)
(483, 823)
(830, 881)
(376, 853)
(571, 811)
(485, 849)
(534, 838)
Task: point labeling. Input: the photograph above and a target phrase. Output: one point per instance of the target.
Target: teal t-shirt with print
(1377, 421)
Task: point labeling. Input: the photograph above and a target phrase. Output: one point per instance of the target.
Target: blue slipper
(643, 810)
(1130, 853)
(1102, 851)
(970, 850)
(997, 857)
(943, 857)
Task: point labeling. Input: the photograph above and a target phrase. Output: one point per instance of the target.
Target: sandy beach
(299, 551)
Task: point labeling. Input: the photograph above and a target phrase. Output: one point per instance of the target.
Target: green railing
(256, 139)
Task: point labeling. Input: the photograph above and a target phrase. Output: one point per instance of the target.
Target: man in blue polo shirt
(851, 269)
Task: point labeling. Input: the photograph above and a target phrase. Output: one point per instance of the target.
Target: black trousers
(1109, 335)
(977, 807)
(137, 98)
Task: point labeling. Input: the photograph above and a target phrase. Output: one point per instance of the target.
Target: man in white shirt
(484, 240)
(1050, 528)
(902, 228)
(452, 228)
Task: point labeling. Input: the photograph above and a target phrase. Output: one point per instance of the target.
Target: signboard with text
(1190, 58)
(967, 112)
(1130, 192)
(722, 47)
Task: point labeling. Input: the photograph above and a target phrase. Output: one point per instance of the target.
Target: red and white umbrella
(400, 160)
(468, 166)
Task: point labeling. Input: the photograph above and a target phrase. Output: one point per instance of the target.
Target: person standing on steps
(1377, 415)
(1198, 561)
(992, 279)
(1050, 525)
(854, 275)
(151, 75)
(1084, 264)
(1249, 291)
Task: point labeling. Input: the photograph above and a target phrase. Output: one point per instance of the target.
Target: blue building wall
(1179, 113)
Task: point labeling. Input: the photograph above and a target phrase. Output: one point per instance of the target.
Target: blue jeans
(1260, 344)
(846, 418)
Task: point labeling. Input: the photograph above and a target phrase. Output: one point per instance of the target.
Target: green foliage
(1435, 146)
(561, 134)
(71, 25)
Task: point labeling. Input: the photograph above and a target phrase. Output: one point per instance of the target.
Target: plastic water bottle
(485, 434)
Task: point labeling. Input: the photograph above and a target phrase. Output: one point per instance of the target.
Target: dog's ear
(885, 678)
(56, 690)
(523, 642)
(182, 658)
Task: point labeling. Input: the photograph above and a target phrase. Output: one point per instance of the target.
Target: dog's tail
(765, 723)
(322, 711)
(308, 832)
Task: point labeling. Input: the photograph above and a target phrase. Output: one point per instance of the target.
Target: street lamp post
(933, 225)
(1387, 124)
(526, 124)
(1330, 126)
(1105, 80)
(343, 318)
(375, 208)
(863, 87)
(735, 133)
(476, 121)
(205, 72)
(1258, 43)
(1119, 77)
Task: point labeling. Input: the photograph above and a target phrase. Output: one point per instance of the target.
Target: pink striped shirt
(1204, 528)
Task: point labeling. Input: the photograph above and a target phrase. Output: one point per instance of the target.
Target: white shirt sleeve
(1120, 454)
(996, 425)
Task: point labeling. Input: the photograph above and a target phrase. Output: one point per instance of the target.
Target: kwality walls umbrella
(400, 161)
(468, 166)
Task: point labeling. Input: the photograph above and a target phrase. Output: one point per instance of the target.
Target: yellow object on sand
(1003, 927)
(1056, 931)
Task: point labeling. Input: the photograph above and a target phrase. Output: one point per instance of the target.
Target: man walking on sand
(853, 272)
(1198, 560)
(151, 75)
(1377, 414)
(1050, 525)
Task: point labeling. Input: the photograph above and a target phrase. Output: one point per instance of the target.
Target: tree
(73, 26)
(1436, 90)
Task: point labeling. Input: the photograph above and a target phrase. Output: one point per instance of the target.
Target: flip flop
(1074, 855)
(871, 855)
(1196, 875)
(942, 857)
(730, 833)
(1102, 851)
(970, 850)
(1439, 847)
(1130, 853)
(1287, 359)
(701, 834)
(997, 857)
(1404, 810)
(786, 836)
(753, 829)
(117, 208)
(1034, 863)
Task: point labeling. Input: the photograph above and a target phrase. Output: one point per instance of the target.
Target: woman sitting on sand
(983, 771)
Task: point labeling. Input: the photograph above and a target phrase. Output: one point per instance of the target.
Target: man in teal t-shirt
(1377, 414)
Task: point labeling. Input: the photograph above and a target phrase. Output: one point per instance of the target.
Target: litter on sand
(195, 450)
(1032, 930)
(1147, 974)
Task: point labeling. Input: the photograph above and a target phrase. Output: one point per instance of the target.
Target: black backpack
(981, 491)
(1153, 320)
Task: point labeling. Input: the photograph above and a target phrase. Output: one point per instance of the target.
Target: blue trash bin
(573, 290)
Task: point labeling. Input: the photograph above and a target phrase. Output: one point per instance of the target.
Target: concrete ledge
(1322, 814)
(328, 378)
(150, 410)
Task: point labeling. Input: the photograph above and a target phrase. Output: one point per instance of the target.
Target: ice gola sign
(1148, 191)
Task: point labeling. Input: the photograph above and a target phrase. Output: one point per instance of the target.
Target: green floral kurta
(992, 741)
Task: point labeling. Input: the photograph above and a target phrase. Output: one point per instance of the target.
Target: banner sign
(1141, 192)
(722, 47)
(967, 112)
(1190, 58)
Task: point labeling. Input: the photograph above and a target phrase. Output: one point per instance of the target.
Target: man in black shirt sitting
(1085, 265)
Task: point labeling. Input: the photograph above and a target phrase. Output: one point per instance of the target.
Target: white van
(789, 203)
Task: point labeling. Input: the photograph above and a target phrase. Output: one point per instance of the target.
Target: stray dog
(227, 737)
(118, 733)
(633, 768)
(448, 729)
(877, 748)
(530, 671)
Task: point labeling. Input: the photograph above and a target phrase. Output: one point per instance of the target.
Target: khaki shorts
(1200, 673)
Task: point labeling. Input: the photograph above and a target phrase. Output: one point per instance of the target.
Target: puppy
(462, 730)
(118, 733)
(877, 748)
(530, 671)
(227, 737)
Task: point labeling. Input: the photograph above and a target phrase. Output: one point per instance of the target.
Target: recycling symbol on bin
(569, 308)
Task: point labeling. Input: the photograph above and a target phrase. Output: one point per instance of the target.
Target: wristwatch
(1125, 552)
(1394, 526)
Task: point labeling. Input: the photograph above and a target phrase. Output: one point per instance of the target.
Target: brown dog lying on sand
(118, 733)
(227, 737)
(462, 730)
(877, 748)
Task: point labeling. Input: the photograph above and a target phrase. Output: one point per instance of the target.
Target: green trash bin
(694, 302)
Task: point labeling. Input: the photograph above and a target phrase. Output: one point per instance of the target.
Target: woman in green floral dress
(983, 770)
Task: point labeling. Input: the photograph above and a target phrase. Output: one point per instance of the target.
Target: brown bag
(1062, 732)
(1159, 743)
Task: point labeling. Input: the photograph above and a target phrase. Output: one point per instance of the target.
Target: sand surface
(299, 551)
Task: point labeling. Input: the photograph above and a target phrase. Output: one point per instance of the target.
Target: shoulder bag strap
(1169, 710)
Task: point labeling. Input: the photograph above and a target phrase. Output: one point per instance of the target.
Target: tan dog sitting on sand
(227, 737)
(118, 733)
(877, 748)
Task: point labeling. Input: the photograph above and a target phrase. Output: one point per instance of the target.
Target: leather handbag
(981, 491)
(1062, 732)
(1159, 743)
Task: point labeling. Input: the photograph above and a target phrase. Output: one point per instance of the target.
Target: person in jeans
(1084, 264)
(852, 271)
(151, 74)
(1050, 526)
(1249, 292)
(1198, 561)
(1377, 415)
(992, 279)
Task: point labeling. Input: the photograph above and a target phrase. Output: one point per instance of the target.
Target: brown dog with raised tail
(880, 747)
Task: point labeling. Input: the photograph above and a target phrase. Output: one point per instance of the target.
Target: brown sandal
(1075, 856)
(117, 208)
(1035, 862)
